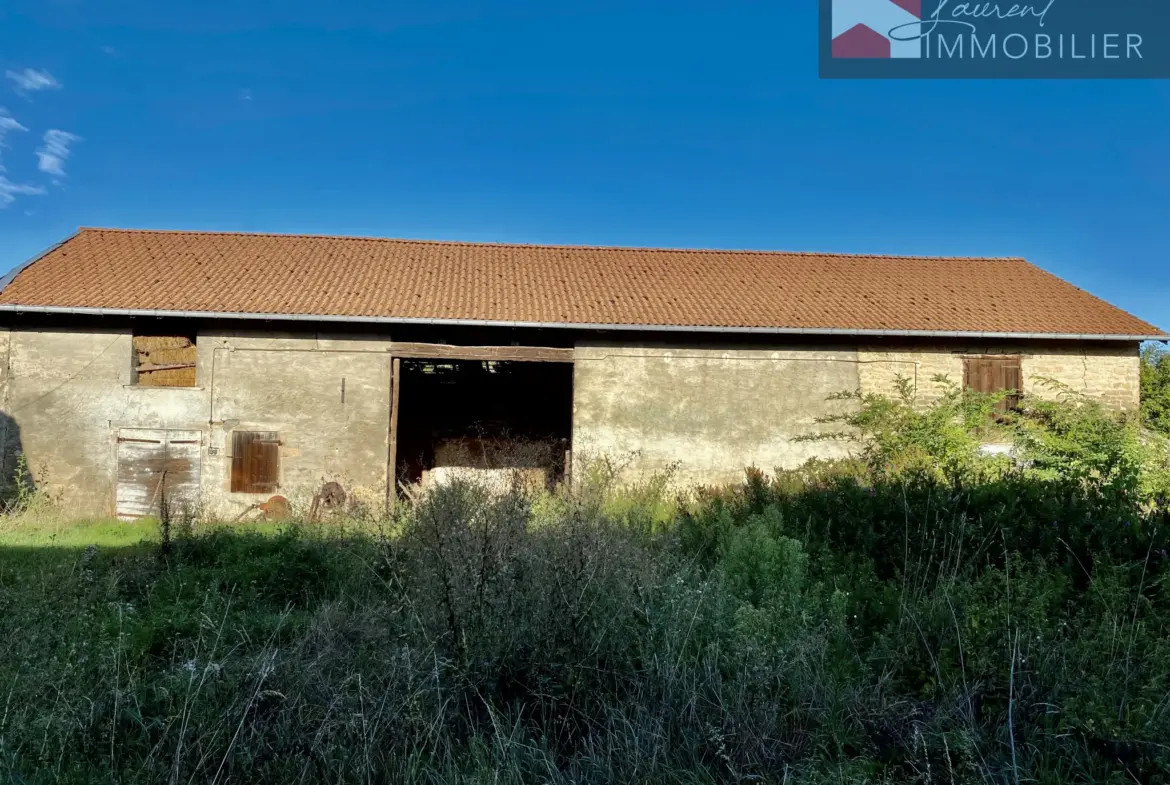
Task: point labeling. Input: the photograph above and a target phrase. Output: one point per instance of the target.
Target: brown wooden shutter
(992, 375)
(1012, 380)
(980, 375)
(255, 461)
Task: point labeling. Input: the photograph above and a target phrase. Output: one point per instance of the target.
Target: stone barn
(221, 370)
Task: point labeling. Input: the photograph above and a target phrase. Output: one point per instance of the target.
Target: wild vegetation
(924, 614)
(1155, 381)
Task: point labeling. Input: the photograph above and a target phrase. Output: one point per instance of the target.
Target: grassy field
(924, 615)
(35, 531)
(801, 628)
(47, 530)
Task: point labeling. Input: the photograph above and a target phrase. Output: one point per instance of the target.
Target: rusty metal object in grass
(330, 498)
(276, 508)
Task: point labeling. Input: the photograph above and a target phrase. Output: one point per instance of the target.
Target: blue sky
(691, 123)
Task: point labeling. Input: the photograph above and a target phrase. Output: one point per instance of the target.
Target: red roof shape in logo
(862, 42)
(913, 6)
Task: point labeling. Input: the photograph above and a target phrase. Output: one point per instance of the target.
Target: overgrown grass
(47, 530)
(805, 627)
(50, 531)
(850, 623)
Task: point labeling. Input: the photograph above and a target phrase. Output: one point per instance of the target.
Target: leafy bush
(20, 494)
(897, 437)
(1073, 437)
(1155, 387)
(1063, 435)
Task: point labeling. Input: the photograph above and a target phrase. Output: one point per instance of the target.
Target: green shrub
(1074, 438)
(1155, 387)
(763, 569)
(898, 437)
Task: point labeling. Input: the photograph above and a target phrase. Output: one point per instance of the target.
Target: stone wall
(328, 398)
(709, 412)
(706, 411)
(67, 394)
(1107, 372)
(712, 411)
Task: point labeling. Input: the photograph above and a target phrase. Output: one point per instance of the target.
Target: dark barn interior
(483, 414)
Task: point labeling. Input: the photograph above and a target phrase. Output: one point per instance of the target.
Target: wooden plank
(438, 351)
(240, 440)
(156, 464)
(1012, 377)
(141, 457)
(266, 476)
(995, 374)
(980, 375)
(987, 376)
(392, 452)
(1008, 377)
(971, 374)
(181, 471)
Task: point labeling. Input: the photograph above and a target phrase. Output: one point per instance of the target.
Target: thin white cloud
(8, 124)
(10, 190)
(109, 50)
(30, 80)
(51, 158)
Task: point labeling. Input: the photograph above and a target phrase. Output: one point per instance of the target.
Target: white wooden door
(154, 465)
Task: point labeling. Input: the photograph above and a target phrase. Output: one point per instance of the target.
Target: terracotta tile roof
(409, 279)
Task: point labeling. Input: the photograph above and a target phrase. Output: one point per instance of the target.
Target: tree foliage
(1155, 387)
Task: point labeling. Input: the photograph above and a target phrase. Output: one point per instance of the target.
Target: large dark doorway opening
(486, 419)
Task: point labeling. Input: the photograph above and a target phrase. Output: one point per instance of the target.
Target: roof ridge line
(556, 246)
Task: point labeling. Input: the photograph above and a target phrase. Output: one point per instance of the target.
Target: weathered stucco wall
(294, 385)
(1108, 373)
(712, 412)
(67, 394)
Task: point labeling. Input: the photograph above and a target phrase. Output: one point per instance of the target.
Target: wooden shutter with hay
(164, 360)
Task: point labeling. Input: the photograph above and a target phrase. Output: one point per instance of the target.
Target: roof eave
(20, 268)
(342, 319)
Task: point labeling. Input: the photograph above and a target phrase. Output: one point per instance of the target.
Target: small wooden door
(154, 465)
(995, 374)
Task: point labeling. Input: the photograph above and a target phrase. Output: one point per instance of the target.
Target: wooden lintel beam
(442, 351)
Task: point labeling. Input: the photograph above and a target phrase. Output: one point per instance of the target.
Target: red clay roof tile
(221, 273)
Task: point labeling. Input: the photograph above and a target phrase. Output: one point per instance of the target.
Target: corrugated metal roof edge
(301, 317)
